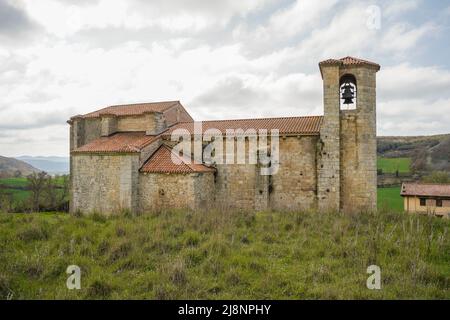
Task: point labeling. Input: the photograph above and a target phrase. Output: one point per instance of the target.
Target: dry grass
(224, 255)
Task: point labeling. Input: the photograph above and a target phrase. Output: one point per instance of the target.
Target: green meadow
(391, 165)
(390, 199)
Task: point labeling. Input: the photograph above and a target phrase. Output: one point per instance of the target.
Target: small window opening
(348, 92)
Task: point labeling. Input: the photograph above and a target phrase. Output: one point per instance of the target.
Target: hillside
(10, 167)
(212, 255)
(427, 153)
(52, 165)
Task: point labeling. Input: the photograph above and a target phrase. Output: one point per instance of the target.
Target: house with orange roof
(153, 156)
(426, 198)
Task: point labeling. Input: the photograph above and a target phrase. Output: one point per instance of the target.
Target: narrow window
(423, 202)
(438, 202)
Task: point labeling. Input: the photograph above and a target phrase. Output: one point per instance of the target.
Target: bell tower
(347, 175)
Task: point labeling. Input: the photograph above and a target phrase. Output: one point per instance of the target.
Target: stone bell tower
(347, 173)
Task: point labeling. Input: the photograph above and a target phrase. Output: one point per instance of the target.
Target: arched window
(348, 92)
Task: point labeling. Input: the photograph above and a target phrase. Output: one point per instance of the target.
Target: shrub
(5, 287)
(191, 238)
(120, 231)
(177, 272)
(99, 289)
(98, 217)
(122, 250)
(32, 233)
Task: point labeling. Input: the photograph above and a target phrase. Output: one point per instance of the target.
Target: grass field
(390, 199)
(176, 255)
(14, 182)
(18, 188)
(22, 182)
(391, 165)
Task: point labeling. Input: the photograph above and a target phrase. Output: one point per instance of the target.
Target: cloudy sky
(222, 59)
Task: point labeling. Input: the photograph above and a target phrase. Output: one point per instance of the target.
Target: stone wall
(104, 183)
(358, 145)
(347, 175)
(159, 191)
(109, 125)
(92, 130)
(136, 123)
(236, 186)
(328, 162)
(294, 187)
(204, 190)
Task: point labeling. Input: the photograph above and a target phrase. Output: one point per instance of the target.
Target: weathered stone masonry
(121, 157)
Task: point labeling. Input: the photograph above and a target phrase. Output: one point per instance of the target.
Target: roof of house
(119, 142)
(350, 61)
(162, 162)
(288, 125)
(131, 109)
(425, 189)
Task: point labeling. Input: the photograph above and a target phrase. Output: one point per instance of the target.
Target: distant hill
(10, 167)
(427, 153)
(52, 165)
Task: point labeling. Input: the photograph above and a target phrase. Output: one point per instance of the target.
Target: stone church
(122, 157)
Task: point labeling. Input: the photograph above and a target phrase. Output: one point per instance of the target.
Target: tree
(36, 182)
(437, 177)
(50, 187)
(65, 181)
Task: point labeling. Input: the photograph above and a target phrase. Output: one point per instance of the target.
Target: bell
(348, 94)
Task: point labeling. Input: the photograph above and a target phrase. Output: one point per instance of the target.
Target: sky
(222, 59)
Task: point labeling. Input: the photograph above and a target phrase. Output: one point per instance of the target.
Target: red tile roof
(425, 189)
(349, 61)
(161, 162)
(132, 109)
(118, 142)
(292, 125)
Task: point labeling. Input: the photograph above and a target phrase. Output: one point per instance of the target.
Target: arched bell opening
(348, 92)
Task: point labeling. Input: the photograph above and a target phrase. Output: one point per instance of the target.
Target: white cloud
(222, 59)
(404, 81)
(402, 37)
(194, 15)
(394, 8)
(413, 117)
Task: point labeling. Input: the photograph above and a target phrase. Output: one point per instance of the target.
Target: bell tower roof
(349, 61)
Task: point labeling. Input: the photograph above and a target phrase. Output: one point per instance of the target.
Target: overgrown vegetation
(212, 255)
(437, 177)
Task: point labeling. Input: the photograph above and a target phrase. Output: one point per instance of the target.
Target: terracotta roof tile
(425, 189)
(118, 142)
(161, 162)
(290, 125)
(132, 109)
(349, 61)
